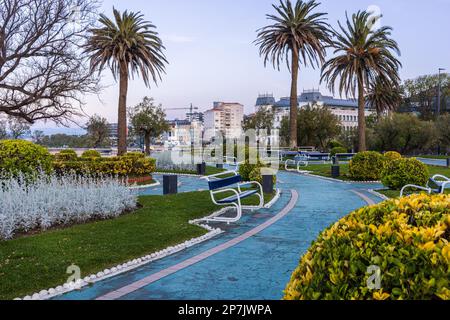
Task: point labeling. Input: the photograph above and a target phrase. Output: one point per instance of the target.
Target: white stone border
(275, 199)
(124, 267)
(377, 194)
(177, 174)
(156, 184)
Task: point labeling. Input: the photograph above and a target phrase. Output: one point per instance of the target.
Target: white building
(182, 132)
(345, 110)
(224, 118)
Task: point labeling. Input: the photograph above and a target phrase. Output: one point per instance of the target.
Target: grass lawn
(431, 157)
(396, 193)
(33, 263)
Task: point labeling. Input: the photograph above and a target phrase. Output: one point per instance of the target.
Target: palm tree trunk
(294, 100)
(361, 115)
(147, 143)
(122, 118)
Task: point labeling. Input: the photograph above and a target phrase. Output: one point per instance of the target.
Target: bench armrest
(439, 176)
(250, 183)
(213, 193)
(416, 187)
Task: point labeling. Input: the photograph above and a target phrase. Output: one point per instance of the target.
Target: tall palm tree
(298, 36)
(129, 46)
(383, 97)
(363, 55)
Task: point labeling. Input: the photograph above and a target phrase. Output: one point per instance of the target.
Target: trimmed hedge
(366, 166)
(398, 173)
(91, 154)
(19, 156)
(66, 155)
(407, 238)
(392, 155)
(337, 150)
(118, 166)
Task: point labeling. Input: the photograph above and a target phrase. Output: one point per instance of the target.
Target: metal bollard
(170, 184)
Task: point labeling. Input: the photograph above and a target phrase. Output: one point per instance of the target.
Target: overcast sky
(209, 45)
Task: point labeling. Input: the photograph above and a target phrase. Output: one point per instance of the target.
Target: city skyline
(212, 57)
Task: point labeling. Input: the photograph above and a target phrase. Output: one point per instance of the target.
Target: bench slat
(234, 198)
(222, 183)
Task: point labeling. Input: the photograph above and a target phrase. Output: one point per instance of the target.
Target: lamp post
(439, 93)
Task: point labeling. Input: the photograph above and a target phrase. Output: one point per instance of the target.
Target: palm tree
(383, 97)
(363, 56)
(299, 36)
(128, 46)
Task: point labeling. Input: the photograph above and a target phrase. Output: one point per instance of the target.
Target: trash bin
(201, 169)
(267, 184)
(335, 171)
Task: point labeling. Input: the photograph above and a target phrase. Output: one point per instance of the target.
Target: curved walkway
(253, 259)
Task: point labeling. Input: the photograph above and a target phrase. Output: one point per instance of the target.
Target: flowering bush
(407, 238)
(366, 166)
(55, 201)
(398, 173)
(23, 157)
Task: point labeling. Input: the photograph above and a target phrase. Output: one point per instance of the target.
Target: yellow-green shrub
(407, 238)
(66, 155)
(19, 156)
(366, 166)
(337, 150)
(91, 154)
(117, 166)
(392, 155)
(398, 173)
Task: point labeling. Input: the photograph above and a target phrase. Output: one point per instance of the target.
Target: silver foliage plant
(49, 200)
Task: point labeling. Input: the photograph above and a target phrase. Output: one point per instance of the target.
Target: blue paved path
(257, 268)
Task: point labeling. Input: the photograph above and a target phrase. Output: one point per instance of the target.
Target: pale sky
(212, 57)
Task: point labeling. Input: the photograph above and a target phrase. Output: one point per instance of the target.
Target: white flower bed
(52, 201)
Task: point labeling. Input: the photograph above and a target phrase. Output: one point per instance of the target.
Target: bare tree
(43, 74)
(18, 127)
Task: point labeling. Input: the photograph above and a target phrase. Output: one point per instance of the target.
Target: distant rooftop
(308, 96)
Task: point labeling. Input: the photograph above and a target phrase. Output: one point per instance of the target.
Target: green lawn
(396, 193)
(431, 157)
(33, 263)
(325, 170)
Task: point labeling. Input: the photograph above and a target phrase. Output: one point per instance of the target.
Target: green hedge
(91, 154)
(398, 173)
(337, 150)
(366, 166)
(66, 155)
(407, 239)
(117, 166)
(19, 156)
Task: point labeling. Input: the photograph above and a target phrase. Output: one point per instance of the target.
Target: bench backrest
(222, 183)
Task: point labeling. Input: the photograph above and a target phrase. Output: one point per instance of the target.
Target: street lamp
(439, 93)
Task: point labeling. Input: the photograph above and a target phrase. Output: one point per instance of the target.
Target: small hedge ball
(337, 150)
(399, 173)
(23, 157)
(66, 155)
(407, 238)
(366, 166)
(392, 155)
(91, 154)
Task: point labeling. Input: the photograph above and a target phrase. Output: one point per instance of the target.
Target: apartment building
(224, 118)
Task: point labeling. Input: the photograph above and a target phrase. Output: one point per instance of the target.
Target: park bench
(437, 184)
(232, 184)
